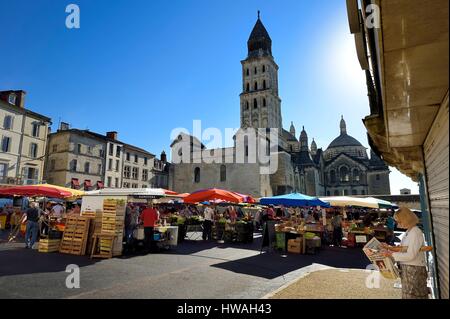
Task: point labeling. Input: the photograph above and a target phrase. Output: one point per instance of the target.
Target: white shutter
(436, 165)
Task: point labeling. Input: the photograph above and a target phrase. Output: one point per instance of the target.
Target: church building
(342, 169)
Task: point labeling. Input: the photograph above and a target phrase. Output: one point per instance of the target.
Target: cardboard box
(294, 246)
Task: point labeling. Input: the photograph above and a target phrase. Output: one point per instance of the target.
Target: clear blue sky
(143, 68)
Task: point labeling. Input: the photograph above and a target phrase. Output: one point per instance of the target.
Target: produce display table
(282, 239)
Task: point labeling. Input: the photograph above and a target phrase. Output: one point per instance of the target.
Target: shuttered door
(436, 164)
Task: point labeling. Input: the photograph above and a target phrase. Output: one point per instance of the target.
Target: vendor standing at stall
(207, 223)
(149, 217)
(336, 222)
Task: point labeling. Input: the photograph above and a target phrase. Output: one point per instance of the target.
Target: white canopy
(128, 192)
(342, 201)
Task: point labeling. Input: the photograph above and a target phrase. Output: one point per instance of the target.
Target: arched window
(246, 106)
(255, 104)
(248, 87)
(197, 175)
(336, 193)
(264, 84)
(343, 172)
(223, 173)
(256, 86)
(332, 176)
(264, 102)
(356, 175)
(345, 192)
(354, 192)
(264, 68)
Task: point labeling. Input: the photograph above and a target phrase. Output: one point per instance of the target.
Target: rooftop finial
(259, 13)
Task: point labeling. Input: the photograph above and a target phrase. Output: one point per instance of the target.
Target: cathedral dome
(345, 144)
(344, 139)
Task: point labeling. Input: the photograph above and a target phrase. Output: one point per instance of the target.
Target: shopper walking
(336, 222)
(149, 217)
(412, 263)
(207, 223)
(32, 229)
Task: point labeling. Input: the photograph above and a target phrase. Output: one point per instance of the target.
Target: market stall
(39, 193)
(296, 233)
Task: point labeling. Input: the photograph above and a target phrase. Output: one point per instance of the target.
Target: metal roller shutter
(436, 164)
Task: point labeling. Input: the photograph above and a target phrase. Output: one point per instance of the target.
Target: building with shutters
(86, 160)
(406, 64)
(23, 140)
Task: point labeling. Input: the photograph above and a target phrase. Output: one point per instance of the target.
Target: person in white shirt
(57, 211)
(207, 223)
(411, 262)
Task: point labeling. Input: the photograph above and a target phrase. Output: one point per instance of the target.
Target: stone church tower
(260, 103)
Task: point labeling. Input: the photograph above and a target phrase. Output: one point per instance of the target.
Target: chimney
(112, 135)
(20, 102)
(64, 126)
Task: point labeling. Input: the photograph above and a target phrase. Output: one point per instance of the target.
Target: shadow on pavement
(270, 265)
(19, 261)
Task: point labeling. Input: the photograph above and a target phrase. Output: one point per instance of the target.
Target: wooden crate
(75, 235)
(49, 245)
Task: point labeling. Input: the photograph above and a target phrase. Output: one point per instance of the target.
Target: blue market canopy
(294, 199)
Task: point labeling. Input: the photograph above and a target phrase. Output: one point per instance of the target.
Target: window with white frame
(145, 174)
(33, 150)
(87, 167)
(126, 172)
(35, 129)
(6, 144)
(3, 170)
(135, 173)
(12, 99)
(8, 122)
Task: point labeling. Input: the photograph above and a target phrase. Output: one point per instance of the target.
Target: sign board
(361, 239)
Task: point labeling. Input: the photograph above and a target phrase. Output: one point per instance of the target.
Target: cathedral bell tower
(260, 104)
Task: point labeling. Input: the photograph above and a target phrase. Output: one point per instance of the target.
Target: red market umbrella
(246, 198)
(36, 190)
(213, 194)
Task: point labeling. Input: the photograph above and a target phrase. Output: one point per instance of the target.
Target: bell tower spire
(260, 103)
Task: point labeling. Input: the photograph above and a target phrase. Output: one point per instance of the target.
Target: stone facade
(138, 167)
(75, 159)
(88, 160)
(343, 168)
(23, 140)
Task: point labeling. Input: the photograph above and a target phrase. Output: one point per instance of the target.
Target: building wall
(114, 160)
(353, 185)
(66, 151)
(139, 182)
(18, 159)
(378, 182)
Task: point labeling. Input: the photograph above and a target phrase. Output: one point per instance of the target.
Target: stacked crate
(75, 235)
(49, 245)
(113, 219)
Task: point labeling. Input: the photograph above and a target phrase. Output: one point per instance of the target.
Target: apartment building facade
(137, 167)
(23, 140)
(76, 159)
